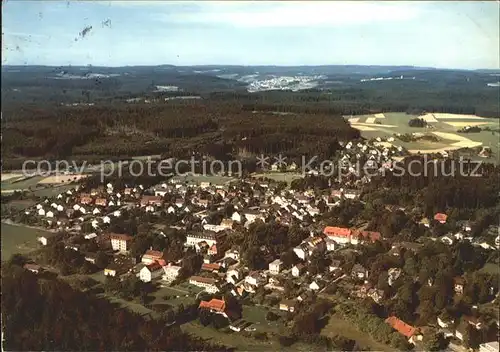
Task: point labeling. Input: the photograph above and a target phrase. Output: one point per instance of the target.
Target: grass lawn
(239, 341)
(257, 316)
(18, 204)
(10, 185)
(338, 326)
(287, 177)
(491, 268)
(19, 239)
(53, 191)
(173, 292)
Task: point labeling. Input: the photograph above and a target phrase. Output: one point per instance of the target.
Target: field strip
(463, 124)
(374, 125)
(363, 128)
(457, 116)
(353, 119)
(7, 176)
(62, 179)
(370, 120)
(428, 118)
(380, 116)
(451, 136)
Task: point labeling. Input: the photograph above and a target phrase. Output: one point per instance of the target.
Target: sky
(446, 34)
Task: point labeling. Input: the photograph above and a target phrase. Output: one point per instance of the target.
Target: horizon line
(255, 65)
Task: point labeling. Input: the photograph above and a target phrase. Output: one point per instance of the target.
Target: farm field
(20, 183)
(18, 239)
(444, 126)
(58, 179)
(287, 177)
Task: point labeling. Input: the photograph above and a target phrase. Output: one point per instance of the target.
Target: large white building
(489, 347)
(120, 242)
(194, 239)
(170, 272)
(150, 272)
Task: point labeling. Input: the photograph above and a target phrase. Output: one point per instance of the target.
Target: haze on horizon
(463, 35)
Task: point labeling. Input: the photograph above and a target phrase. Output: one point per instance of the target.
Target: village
(202, 241)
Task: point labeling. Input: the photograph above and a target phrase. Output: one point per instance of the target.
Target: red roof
(337, 231)
(154, 266)
(401, 327)
(151, 199)
(214, 304)
(370, 235)
(440, 217)
(120, 236)
(210, 267)
(153, 254)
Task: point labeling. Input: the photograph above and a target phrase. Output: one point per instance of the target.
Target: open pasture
(443, 126)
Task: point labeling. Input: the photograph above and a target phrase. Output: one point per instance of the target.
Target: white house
(275, 267)
(170, 272)
(298, 269)
(314, 286)
(49, 214)
(209, 284)
(120, 242)
(41, 212)
(255, 279)
(150, 272)
(492, 346)
(236, 217)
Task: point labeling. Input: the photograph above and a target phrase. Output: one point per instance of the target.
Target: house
(408, 331)
(375, 294)
(288, 305)
(217, 306)
(34, 268)
(170, 272)
(314, 286)
(233, 276)
(120, 242)
(459, 283)
(474, 321)
(331, 245)
(151, 256)
(46, 239)
(359, 272)
(441, 218)
(393, 275)
(210, 238)
(335, 265)
(338, 234)
(85, 198)
(275, 267)
(227, 224)
(151, 200)
(444, 323)
(211, 267)
(365, 236)
(101, 202)
(256, 279)
(91, 257)
(351, 194)
(489, 347)
(252, 215)
(298, 270)
(209, 284)
(212, 250)
(236, 217)
(301, 251)
(150, 272)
